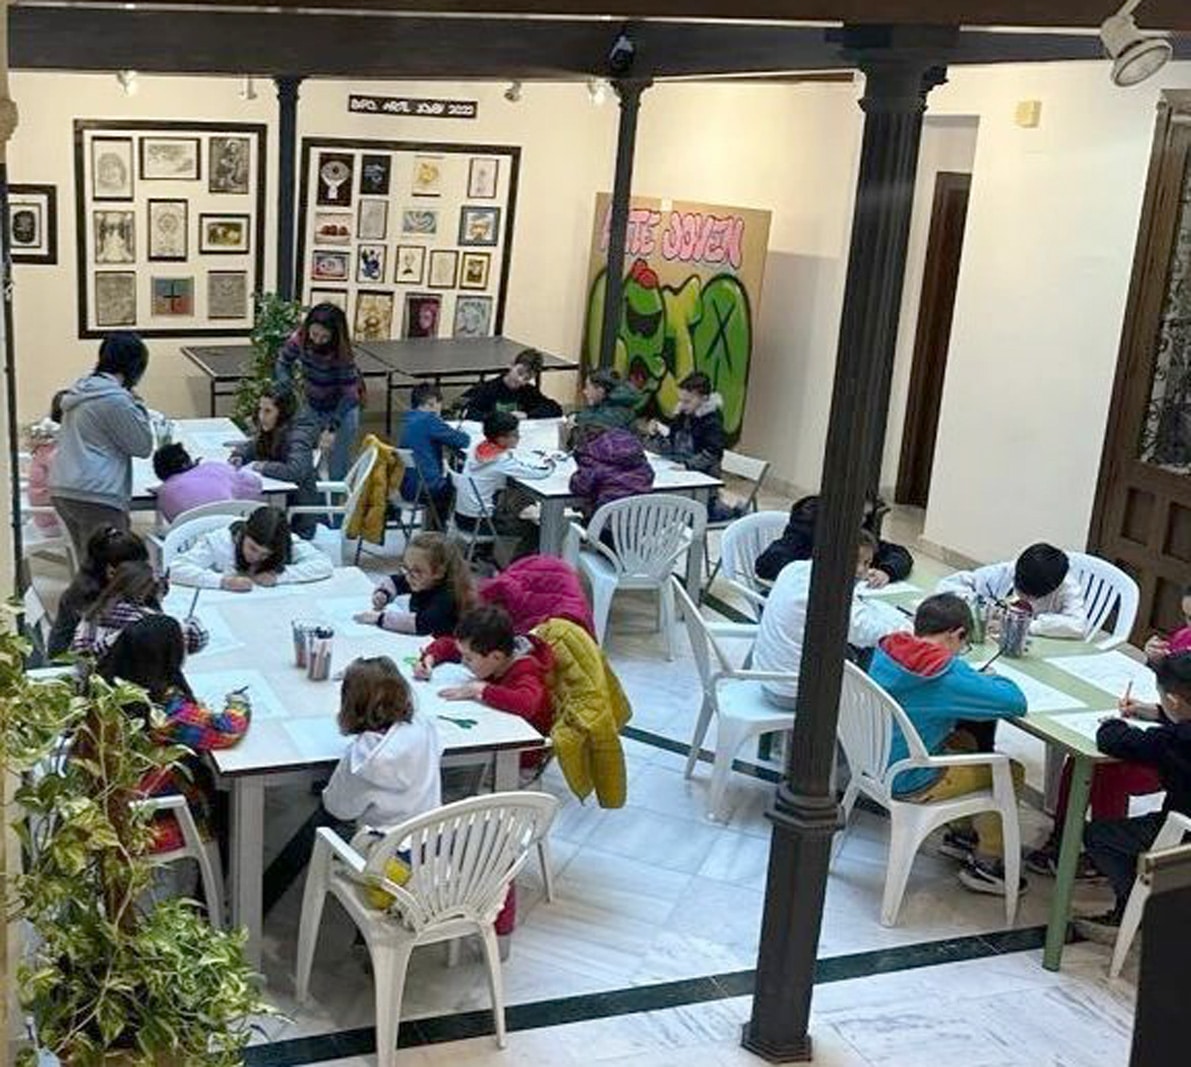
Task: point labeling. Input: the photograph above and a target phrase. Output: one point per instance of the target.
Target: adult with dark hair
(1040, 580)
(248, 553)
(189, 483)
(321, 350)
(104, 425)
(426, 435)
(514, 391)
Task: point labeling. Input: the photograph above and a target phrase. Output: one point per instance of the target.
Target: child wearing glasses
(435, 587)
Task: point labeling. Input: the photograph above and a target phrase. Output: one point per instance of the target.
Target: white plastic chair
(204, 853)
(1170, 836)
(462, 858)
(733, 696)
(742, 542)
(465, 484)
(181, 536)
(649, 535)
(747, 469)
(421, 505)
(230, 509)
(1105, 586)
(333, 543)
(868, 719)
(35, 541)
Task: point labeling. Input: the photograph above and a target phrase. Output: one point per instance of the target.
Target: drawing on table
(212, 687)
(1040, 697)
(1086, 723)
(1112, 672)
(316, 738)
(220, 638)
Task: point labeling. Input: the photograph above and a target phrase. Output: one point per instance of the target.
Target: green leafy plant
(110, 973)
(274, 319)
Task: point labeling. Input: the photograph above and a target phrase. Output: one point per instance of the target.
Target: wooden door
(944, 246)
(1142, 515)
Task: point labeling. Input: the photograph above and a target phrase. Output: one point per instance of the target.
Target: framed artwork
(443, 268)
(419, 222)
(167, 230)
(338, 297)
(111, 168)
(172, 297)
(482, 174)
(479, 225)
(329, 266)
(33, 223)
(372, 220)
(411, 265)
(227, 294)
(427, 176)
(223, 234)
(115, 236)
(374, 175)
(474, 271)
(370, 263)
(332, 227)
(473, 316)
(228, 164)
(115, 298)
(374, 316)
(422, 312)
(334, 179)
(170, 159)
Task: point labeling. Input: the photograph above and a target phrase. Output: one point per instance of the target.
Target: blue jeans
(343, 450)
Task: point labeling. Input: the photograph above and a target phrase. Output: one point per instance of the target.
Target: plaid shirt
(95, 636)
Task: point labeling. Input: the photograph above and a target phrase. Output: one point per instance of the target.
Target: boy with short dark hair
(609, 404)
(425, 434)
(187, 483)
(513, 391)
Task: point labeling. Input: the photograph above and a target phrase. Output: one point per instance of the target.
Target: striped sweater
(97, 633)
(332, 385)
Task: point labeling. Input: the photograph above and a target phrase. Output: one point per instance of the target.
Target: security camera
(620, 58)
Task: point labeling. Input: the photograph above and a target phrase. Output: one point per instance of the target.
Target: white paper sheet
(1039, 696)
(221, 638)
(210, 444)
(1086, 723)
(211, 687)
(892, 589)
(316, 738)
(338, 611)
(1112, 672)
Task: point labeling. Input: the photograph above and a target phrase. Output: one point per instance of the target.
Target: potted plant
(274, 319)
(109, 977)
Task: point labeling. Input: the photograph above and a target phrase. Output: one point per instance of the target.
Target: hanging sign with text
(414, 106)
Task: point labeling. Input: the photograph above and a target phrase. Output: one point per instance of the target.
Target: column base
(798, 1051)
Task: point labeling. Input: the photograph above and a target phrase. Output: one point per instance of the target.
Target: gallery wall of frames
(171, 226)
(410, 239)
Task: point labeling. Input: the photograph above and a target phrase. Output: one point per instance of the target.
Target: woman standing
(322, 347)
(104, 425)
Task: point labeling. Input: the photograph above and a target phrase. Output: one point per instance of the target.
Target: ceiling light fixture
(597, 91)
(248, 89)
(127, 81)
(513, 92)
(1135, 55)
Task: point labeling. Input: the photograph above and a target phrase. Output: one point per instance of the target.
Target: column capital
(629, 90)
(287, 86)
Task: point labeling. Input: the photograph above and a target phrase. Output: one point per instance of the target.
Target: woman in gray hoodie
(104, 425)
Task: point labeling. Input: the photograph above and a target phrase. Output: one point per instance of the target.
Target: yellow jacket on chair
(590, 708)
(368, 520)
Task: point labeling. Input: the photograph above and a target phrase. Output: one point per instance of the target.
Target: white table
(293, 729)
(204, 439)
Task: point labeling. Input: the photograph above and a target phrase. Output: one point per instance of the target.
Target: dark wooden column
(805, 814)
(288, 286)
(628, 91)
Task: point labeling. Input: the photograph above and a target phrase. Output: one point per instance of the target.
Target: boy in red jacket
(510, 671)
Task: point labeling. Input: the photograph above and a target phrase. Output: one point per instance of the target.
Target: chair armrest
(331, 487)
(746, 630)
(966, 759)
(342, 850)
(174, 802)
(317, 509)
(1173, 829)
(749, 594)
(749, 675)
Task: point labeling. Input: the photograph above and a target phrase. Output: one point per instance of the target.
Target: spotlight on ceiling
(513, 92)
(128, 82)
(1135, 55)
(597, 91)
(248, 88)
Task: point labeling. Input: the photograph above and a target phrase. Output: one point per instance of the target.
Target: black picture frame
(209, 218)
(439, 256)
(196, 148)
(150, 230)
(467, 237)
(45, 197)
(124, 192)
(483, 258)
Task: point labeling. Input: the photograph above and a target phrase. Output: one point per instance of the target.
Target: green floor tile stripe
(658, 997)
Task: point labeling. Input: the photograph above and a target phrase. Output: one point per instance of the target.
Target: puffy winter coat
(537, 588)
(616, 411)
(610, 467)
(368, 518)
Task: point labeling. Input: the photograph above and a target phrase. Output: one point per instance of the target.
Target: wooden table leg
(1069, 850)
(248, 862)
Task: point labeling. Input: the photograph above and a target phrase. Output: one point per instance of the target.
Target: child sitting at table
(42, 441)
(187, 483)
(248, 553)
(1115, 844)
(609, 465)
(1041, 578)
(436, 579)
(134, 592)
(513, 392)
(1158, 647)
(609, 404)
(426, 434)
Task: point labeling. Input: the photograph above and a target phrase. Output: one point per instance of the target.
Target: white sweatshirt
(783, 626)
(489, 468)
(1059, 614)
(213, 556)
(385, 778)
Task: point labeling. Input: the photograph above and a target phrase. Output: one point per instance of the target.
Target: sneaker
(1045, 861)
(1102, 929)
(958, 844)
(982, 876)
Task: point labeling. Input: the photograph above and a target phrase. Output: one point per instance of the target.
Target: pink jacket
(205, 483)
(39, 485)
(536, 588)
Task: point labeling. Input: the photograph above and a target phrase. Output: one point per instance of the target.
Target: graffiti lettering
(640, 235)
(696, 238)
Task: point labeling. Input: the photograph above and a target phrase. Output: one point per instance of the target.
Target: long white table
(293, 730)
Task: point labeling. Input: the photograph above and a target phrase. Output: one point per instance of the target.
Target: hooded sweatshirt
(206, 482)
(610, 467)
(103, 427)
(483, 399)
(487, 471)
(936, 689)
(617, 410)
(697, 438)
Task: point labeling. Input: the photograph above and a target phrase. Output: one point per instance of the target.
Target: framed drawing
(482, 174)
(329, 266)
(372, 220)
(427, 176)
(479, 225)
(223, 234)
(115, 237)
(170, 159)
(370, 263)
(374, 316)
(473, 316)
(422, 312)
(111, 168)
(411, 265)
(167, 230)
(33, 223)
(374, 175)
(172, 297)
(228, 160)
(227, 294)
(332, 228)
(334, 179)
(444, 266)
(419, 222)
(474, 270)
(115, 298)
(338, 297)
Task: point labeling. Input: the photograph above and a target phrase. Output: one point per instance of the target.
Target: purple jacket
(205, 483)
(611, 466)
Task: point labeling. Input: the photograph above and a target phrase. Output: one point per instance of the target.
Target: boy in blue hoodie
(923, 672)
(425, 434)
